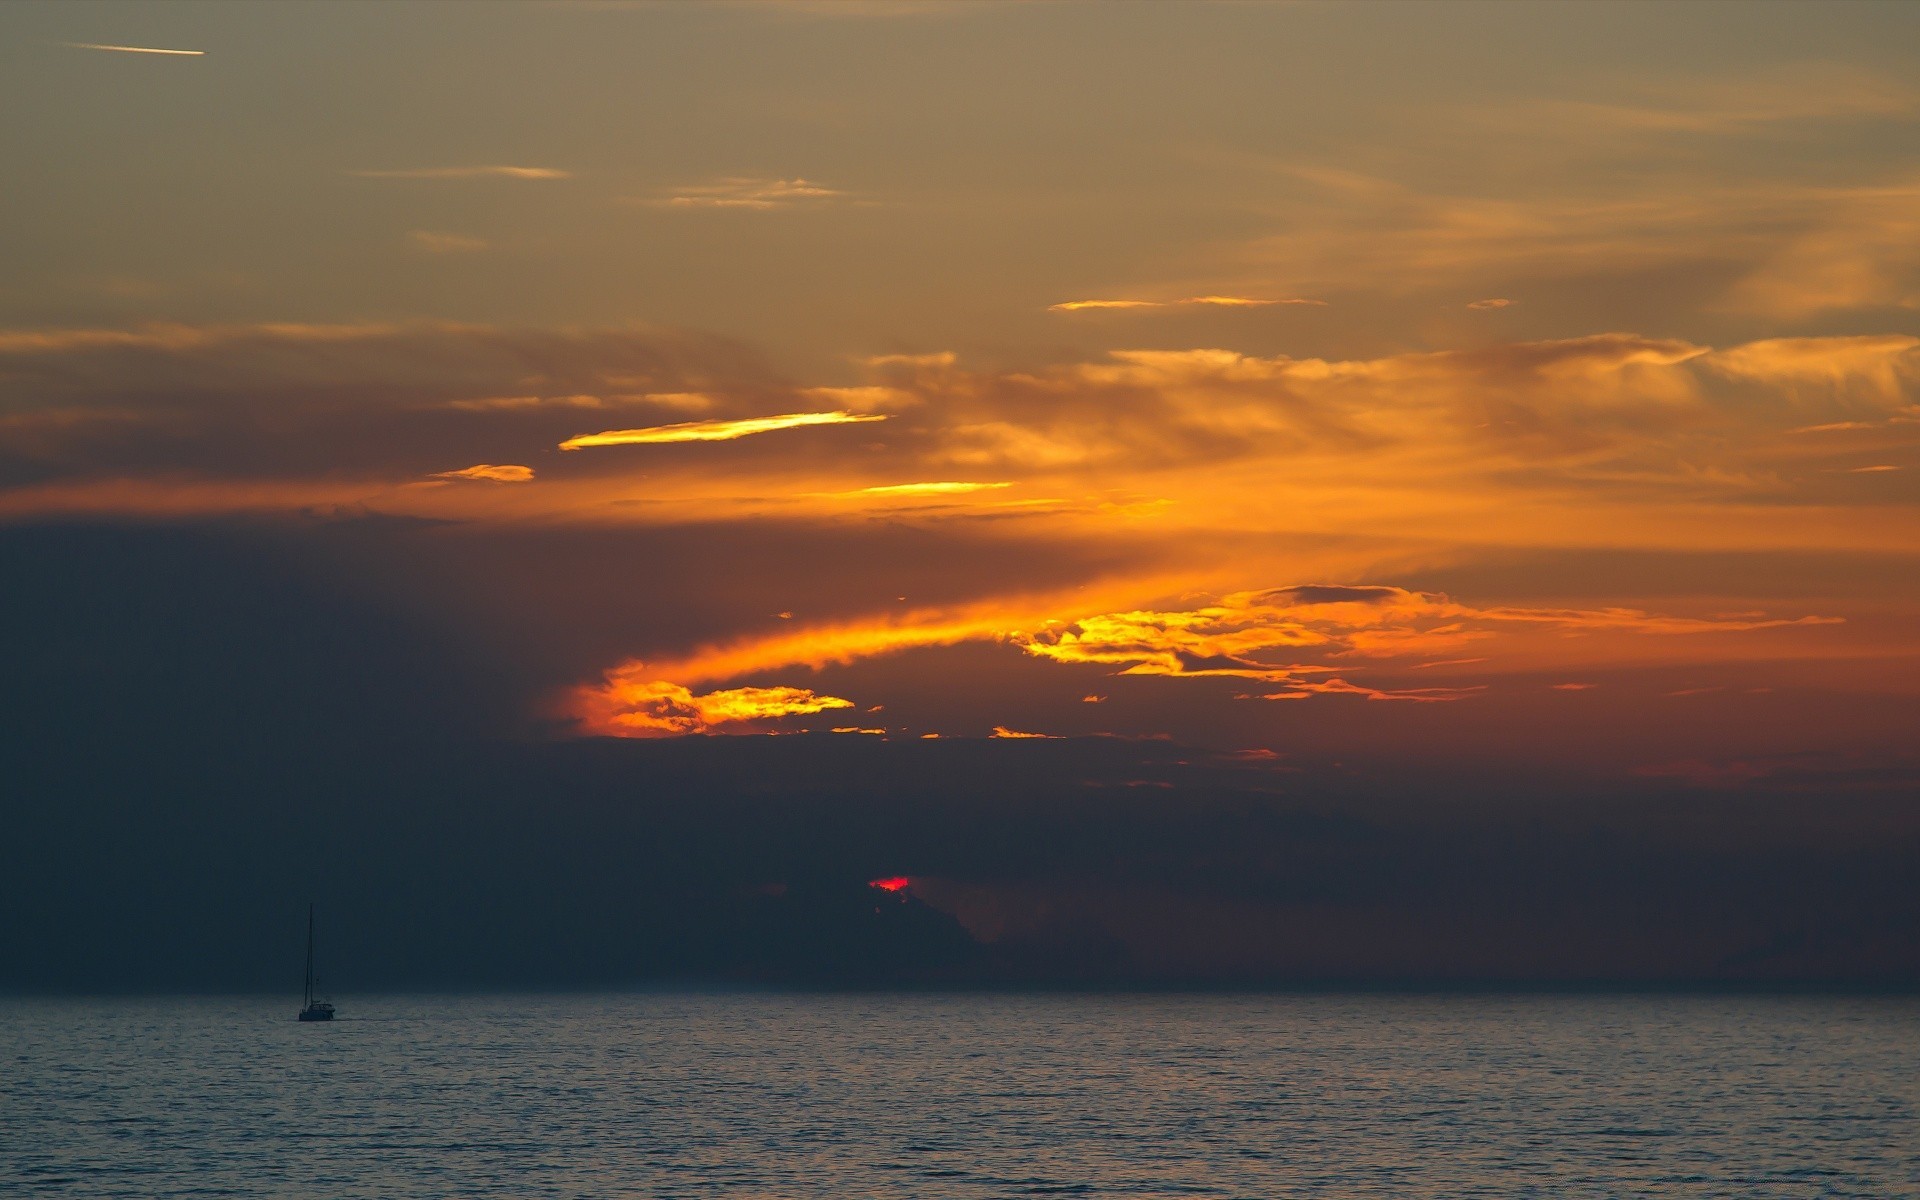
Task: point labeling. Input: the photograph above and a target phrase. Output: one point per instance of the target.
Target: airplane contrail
(130, 49)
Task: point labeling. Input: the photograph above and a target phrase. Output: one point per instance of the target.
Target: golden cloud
(485, 172)
(1613, 439)
(748, 193)
(132, 49)
(658, 708)
(922, 489)
(1249, 302)
(1209, 301)
(490, 472)
(1307, 639)
(714, 431)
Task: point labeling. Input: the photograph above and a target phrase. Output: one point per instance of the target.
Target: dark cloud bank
(203, 735)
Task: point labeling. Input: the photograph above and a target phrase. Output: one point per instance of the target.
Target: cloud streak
(490, 473)
(661, 709)
(134, 49)
(714, 431)
(752, 194)
(1306, 639)
(480, 172)
(1071, 306)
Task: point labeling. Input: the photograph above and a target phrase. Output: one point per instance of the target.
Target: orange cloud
(506, 473)
(1249, 302)
(1613, 439)
(1212, 301)
(1307, 638)
(747, 193)
(1084, 305)
(132, 49)
(1302, 689)
(659, 708)
(714, 431)
(487, 172)
(173, 336)
(923, 489)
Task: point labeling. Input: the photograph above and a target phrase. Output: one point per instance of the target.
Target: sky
(1206, 493)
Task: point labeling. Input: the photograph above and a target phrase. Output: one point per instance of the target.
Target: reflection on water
(662, 1095)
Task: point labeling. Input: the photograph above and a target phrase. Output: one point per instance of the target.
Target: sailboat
(311, 1009)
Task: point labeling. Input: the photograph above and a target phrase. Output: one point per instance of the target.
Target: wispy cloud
(1496, 302)
(1249, 301)
(662, 709)
(1748, 104)
(133, 49)
(490, 473)
(1083, 305)
(1263, 635)
(1201, 301)
(748, 193)
(1301, 641)
(924, 489)
(485, 172)
(436, 242)
(714, 431)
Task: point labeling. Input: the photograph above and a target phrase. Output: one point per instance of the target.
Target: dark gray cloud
(209, 732)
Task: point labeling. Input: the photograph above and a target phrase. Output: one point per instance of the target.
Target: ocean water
(748, 1095)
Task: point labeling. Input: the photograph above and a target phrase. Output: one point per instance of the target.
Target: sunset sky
(1288, 401)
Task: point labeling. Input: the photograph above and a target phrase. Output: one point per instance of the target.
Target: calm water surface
(963, 1096)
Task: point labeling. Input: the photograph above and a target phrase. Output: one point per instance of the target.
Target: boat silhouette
(310, 1008)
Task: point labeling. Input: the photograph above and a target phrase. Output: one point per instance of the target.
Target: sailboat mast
(307, 998)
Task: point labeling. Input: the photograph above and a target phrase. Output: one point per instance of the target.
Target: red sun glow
(896, 883)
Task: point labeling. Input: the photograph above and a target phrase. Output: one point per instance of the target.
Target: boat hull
(317, 1012)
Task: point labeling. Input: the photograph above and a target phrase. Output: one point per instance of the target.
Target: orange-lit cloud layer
(1112, 520)
(714, 431)
(1614, 437)
(1173, 483)
(1295, 637)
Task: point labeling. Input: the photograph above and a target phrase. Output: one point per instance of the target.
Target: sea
(897, 1096)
